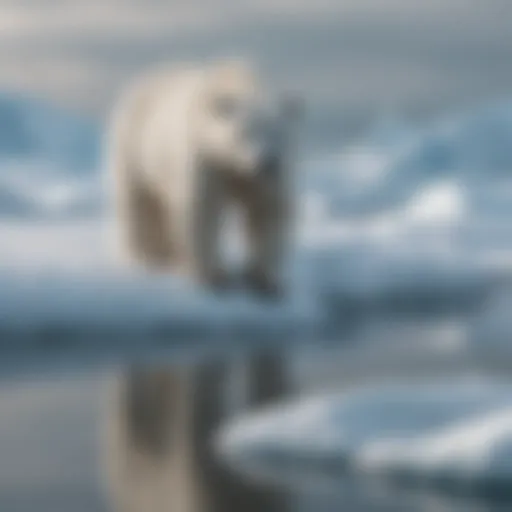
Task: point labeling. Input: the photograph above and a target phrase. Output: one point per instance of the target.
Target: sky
(342, 55)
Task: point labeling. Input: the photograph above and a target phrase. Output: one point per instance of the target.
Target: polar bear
(186, 144)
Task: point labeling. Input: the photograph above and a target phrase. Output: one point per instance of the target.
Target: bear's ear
(292, 106)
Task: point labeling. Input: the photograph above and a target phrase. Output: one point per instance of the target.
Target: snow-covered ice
(454, 433)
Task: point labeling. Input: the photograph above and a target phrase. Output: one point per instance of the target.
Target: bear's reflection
(160, 425)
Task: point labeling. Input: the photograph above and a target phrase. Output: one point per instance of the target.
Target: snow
(34, 190)
(439, 203)
(452, 433)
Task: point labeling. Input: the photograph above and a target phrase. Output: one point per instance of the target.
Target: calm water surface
(86, 441)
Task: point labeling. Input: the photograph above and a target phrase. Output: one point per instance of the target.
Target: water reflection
(159, 454)
(162, 419)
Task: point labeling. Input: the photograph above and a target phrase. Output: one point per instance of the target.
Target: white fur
(186, 143)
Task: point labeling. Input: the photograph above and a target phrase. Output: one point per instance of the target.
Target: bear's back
(150, 119)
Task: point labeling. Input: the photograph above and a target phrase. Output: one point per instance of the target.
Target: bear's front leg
(265, 237)
(209, 206)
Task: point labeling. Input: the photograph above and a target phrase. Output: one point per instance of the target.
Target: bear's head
(242, 126)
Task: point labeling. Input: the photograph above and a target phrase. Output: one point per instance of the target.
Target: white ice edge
(457, 432)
